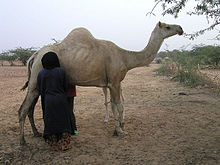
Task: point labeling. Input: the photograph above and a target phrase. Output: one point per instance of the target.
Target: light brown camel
(104, 89)
(92, 62)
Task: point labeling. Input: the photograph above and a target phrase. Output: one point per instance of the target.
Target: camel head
(167, 30)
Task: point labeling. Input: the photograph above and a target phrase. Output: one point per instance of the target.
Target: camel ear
(160, 24)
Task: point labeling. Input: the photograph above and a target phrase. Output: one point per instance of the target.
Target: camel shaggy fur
(93, 62)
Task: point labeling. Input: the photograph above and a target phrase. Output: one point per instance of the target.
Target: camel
(104, 89)
(92, 62)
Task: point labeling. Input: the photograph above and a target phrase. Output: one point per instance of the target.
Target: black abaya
(51, 84)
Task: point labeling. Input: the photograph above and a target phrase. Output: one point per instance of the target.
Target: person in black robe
(52, 85)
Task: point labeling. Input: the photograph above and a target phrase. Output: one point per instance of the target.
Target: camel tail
(24, 86)
(29, 66)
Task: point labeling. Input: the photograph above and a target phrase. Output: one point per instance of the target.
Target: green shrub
(7, 56)
(165, 70)
(189, 78)
(207, 55)
(182, 68)
(20, 54)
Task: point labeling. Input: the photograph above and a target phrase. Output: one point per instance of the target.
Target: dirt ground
(167, 124)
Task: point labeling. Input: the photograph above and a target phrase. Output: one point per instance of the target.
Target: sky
(34, 23)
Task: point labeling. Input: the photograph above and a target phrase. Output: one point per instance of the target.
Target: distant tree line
(19, 54)
(200, 55)
(185, 65)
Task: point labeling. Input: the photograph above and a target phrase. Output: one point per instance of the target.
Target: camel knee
(22, 115)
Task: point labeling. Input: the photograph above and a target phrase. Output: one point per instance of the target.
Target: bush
(183, 67)
(158, 61)
(207, 55)
(20, 54)
(189, 78)
(166, 69)
(7, 56)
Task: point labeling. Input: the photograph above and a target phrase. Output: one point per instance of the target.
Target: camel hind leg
(24, 110)
(31, 118)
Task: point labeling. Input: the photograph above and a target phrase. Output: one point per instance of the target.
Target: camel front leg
(122, 97)
(31, 118)
(120, 109)
(123, 111)
(106, 104)
(24, 110)
(117, 109)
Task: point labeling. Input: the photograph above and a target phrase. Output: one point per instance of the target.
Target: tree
(22, 54)
(208, 8)
(7, 56)
(208, 55)
(3, 57)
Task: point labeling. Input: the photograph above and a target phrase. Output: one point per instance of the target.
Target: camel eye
(168, 28)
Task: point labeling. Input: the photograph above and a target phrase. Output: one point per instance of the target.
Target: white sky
(33, 23)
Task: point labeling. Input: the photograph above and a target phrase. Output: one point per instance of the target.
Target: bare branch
(208, 8)
(151, 12)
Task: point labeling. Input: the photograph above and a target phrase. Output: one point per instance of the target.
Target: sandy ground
(164, 127)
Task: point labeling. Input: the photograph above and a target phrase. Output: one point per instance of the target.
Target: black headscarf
(50, 60)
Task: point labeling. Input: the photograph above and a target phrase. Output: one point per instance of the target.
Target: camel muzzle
(180, 31)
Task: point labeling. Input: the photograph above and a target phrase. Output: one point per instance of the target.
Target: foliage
(207, 55)
(165, 69)
(183, 65)
(208, 8)
(7, 56)
(188, 72)
(158, 61)
(200, 55)
(3, 56)
(168, 53)
(20, 54)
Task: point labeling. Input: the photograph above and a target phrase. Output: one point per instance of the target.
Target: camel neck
(146, 56)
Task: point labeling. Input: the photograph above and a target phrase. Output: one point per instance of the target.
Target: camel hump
(80, 35)
(81, 31)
